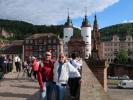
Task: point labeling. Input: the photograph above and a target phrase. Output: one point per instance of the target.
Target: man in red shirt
(45, 77)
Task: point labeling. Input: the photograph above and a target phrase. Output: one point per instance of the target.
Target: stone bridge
(21, 89)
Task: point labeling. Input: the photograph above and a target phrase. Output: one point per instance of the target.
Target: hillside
(120, 29)
(23, 29)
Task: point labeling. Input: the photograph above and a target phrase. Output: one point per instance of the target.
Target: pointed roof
(85, 22)
(68, 23)
(95, 32)
(95, 26)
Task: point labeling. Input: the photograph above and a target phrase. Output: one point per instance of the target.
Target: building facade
(76, 45)
(5, 34)
(37, 44)
(110, 48)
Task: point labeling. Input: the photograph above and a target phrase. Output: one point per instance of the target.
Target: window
(66, 36)
(123, 83)
(87, 36)
(129, 39)
(31, 41)
(40, 41)
(45, 42)
(49, 41)
(27, 41)
(54, 41)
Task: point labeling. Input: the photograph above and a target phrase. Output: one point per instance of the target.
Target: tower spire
(68, 12)
(96, 33)
(85, 11)
(69, 21)
(95, 26)
(85, 22)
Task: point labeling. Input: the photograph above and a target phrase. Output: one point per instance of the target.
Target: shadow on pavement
(27, 96)
(24, 86)
(34, 96)
(9, 94)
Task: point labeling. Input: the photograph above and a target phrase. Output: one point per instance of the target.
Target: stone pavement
(21, 88)
(12, 88)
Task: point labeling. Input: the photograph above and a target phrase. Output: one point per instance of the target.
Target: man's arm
(39, 77)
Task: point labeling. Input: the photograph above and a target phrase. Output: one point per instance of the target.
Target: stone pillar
(91, 89)
(99, 68)
(101, 73)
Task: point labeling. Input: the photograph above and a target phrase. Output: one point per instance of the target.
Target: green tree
(122, 56)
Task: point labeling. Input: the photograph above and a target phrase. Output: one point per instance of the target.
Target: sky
(47, 12)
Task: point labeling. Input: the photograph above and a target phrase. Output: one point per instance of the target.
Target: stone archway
(76, 45)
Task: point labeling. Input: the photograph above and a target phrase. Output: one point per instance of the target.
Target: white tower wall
(68, 32)
(86, 34)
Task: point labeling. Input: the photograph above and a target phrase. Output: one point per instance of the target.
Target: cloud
(49, 11)
(127, 21)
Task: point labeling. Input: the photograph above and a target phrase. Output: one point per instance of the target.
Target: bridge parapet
(91, 89)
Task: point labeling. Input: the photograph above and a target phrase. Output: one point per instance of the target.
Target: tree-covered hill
(23, 29)
(120, 29)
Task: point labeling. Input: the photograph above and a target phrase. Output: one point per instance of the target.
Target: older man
(62, 68)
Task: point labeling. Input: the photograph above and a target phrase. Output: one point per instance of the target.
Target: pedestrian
(17, 63)
(61, 71)
(45, 77)
(2, 66)
(35, 66)
(74, 81)
(9, 65)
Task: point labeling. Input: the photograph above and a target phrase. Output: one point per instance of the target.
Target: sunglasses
(48, 55)
(61, 57)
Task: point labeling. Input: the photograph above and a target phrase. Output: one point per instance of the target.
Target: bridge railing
(91, 88)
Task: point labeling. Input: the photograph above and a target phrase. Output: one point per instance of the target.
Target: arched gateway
(76, 45)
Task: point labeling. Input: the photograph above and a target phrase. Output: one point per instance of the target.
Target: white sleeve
(76, 64)
(73, 69)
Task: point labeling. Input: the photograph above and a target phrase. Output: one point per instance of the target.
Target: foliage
(23, 29)
(120, 29)
(122, 56)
